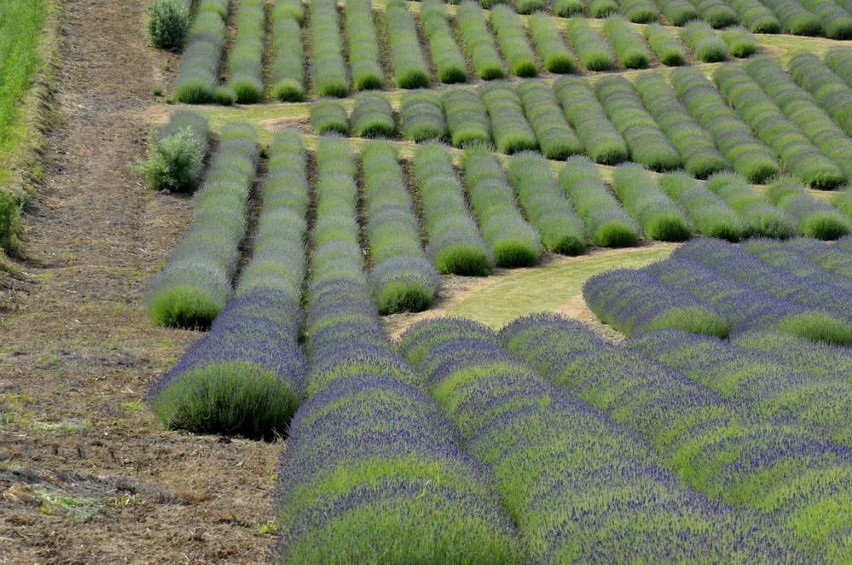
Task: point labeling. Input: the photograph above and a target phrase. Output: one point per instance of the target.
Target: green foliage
(372, 116)
(647, 143)
(478, 41)
(467, 118)
(607, 224)
(168, 23)
(422, 116)
(549, 44)
(545, 205)
(555, 137)
(455, 244)
(513, 41)
(678, 12)
(446, 55)
(756, 17)
(363, 45)
(9, 226)
(830, 91)
(328, 70)
(696, 147)
(741, 43)
(602, 141)
(836, 21)
(409, 66)
(797, 153)
(795, 19)
(839, 60)
(509, 126)
(716, 13)
(593, 50)
(639, 11)
(703, 41)
(176, 154)
(514, 242)
(710, 214)
(329, 116)
(288, 67)
(814, 218)
(653, 209)
(628, 44)
(748, 156)
(568, 8)
(602, 8)
(199, 71)
(245, 60)
(667, 49)
(760, 216)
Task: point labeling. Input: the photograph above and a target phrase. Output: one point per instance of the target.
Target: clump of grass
(168, 23)
(601, 139)
(549, 44)
(703, 41)
(514, 242)
(513, 41)
(660, 218)
(555, 137)
(509, 126)
(198, 76)
(422, 116)
(647, 143)
(478, 41)
(593, 50)
(363, 47)
(176, 154)
(606, 222)
(545, 205)
(667, 49)
(372, 116)
(446, 54)
(409, 66)
(467, 118)
(329, 116)
(328, 70)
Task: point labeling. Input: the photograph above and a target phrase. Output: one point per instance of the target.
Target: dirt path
(86, 474)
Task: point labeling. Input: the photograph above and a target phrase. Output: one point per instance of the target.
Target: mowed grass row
(359, 46)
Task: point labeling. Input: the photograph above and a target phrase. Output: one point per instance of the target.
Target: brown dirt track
(86, 474)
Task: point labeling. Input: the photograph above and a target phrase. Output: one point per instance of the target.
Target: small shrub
(628, 44)
(372, 116)
(549, 44)
(741, 43)
(478, 41)
(555, 137)
(168, 24)
(9, 212)
(329, 116)
(174, 162)
(509, 126)
(409, 66)
(446, 54)
(513, 41)
(601, 139)
(422, 116)
(703, 42)
(593, 50)
(668, 50)
(467, 118)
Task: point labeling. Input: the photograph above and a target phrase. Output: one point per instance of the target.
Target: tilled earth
(86, 474)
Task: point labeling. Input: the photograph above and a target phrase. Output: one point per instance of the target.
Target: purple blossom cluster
(373, 472)
(634, 302)
(243, 377)
(784, 474)
(803, 259)
(764, 386)
(580, 486)
(734, 263)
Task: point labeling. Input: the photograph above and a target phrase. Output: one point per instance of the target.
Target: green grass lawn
(21, 23)
(542, 289)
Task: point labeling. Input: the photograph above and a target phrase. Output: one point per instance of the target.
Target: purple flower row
(580, 486)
